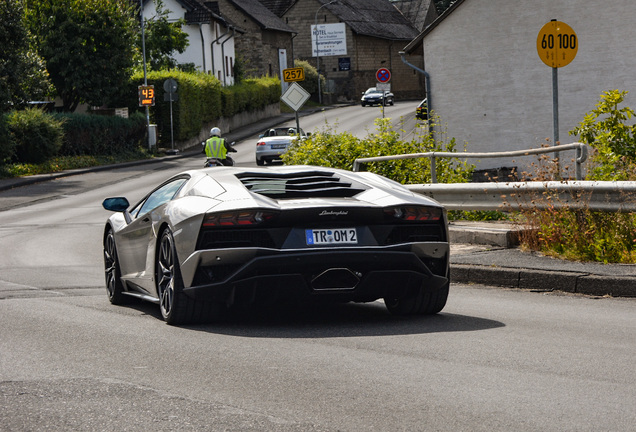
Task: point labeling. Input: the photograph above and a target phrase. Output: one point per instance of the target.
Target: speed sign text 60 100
(557, 44)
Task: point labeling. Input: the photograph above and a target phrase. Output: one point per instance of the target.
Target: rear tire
(114, 285)
(419, 301)
(176, 307)
(260, 162)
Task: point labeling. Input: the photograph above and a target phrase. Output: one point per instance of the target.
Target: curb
(527, 279)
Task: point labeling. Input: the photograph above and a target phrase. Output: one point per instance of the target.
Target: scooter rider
(216, 147)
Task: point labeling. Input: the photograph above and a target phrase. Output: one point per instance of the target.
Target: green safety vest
(215, 148)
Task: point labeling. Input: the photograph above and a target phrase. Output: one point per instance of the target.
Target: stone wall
(229, 124)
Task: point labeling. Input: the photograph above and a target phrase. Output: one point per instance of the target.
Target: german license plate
(279, 146)
(331, 236)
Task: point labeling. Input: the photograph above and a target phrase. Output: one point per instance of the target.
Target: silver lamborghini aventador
(206, 240)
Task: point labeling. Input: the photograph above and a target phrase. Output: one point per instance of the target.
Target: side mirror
(261, 135)
(308, 134)
(118, 204)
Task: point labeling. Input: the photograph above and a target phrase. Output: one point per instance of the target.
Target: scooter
(214, 162)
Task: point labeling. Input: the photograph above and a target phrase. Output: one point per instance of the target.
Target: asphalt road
(493, 360)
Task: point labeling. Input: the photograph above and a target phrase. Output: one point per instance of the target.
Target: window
(161, 196)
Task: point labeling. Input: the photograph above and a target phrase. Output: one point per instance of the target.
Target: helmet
(215, 131)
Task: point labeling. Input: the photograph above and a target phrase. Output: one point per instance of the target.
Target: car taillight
(237, 218)
(260, 143)
(414, 213)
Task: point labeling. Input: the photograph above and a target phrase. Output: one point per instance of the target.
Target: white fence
(580, 158)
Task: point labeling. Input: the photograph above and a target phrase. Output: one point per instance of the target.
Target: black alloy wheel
(176, 307)
(112, 272)
(167, 283)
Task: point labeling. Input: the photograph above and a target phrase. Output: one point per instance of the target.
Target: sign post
(557, 46)
(383, 75)
(170, 87)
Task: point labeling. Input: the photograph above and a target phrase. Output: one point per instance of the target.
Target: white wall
(206, 34)
(492, 90)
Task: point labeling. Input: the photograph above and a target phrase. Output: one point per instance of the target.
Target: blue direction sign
(383, 75)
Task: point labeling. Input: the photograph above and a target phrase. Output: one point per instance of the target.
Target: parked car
(421, 112)
(377, 97)
(274, 142)
(206, 240)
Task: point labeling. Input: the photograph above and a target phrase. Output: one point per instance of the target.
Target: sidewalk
(481, 253)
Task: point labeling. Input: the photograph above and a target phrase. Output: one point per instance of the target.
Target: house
(211, 37)
(375, 33)
(420, 13)
(493, 92)
(266, 46)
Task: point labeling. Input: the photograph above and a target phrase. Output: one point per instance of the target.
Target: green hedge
(7, 145)
(201, 99)
(33, 136)
(90, 134)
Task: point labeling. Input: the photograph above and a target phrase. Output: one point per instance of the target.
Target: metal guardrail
(581, 156)
(611, 196)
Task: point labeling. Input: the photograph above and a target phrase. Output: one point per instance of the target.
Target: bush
(340, 150)
(311, 78)
(614, 142)
(37, 135)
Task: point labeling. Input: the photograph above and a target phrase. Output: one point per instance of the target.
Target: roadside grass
(580, 235)
(556, 229)
(63, 163)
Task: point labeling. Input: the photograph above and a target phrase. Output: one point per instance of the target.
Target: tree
(163, 38)
(23, 76)
(88, 46)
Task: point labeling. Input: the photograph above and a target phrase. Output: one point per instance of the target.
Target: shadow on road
(340, 320)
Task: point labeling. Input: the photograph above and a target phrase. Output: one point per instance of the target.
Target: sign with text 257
(294, 74)
(146, 95)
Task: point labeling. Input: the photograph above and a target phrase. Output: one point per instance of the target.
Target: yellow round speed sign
(557, 44)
